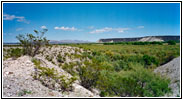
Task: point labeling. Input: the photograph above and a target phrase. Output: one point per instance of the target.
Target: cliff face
(147, 38)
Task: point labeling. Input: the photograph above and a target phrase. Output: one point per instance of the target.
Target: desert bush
(121, 65)
(171, 42)
(60, 59)
(15, 53)
(77, 56)
(88, 74)
(148, 60)
(69, 67)
(156, 42)
(31, 44)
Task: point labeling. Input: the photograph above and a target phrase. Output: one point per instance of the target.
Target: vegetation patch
(125, 70)
(51, 78)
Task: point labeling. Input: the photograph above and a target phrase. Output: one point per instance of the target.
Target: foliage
(123, 70)
(70, 67)
(31, 44)
(88, 74)
(12, 52)
(60, 59)
(126, 70)
(15, 53)
(135, 82)
(150, 60)
(171, 42)
(24, 92)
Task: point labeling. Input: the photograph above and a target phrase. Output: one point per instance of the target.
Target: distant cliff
(146, 38)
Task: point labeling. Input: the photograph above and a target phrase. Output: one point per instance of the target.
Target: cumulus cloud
(43, 27)
(108, 29)
(17, 18)
(140, 27)
(19, 29)
(66, 28)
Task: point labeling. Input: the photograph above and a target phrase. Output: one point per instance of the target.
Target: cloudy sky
(90, 21)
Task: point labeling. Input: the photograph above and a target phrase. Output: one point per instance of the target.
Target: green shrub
(69, 67)
(31, 44)
(120, 65)
(15, 53)
(88, 74)
(171, 42)
(155, 42)
(60, 59)
(148, 60)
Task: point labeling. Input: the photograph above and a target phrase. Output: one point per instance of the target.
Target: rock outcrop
(172, 71)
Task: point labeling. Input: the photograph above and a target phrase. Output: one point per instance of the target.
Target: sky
(90, 21)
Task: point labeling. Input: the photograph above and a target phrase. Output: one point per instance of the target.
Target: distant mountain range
(143, 39)
(68, 41)
(54, 42)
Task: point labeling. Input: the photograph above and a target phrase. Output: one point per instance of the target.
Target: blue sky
(90, 21)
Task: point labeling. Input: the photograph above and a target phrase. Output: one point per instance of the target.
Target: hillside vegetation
(114, 70)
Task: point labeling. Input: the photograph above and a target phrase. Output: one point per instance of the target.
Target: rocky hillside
(19, 76)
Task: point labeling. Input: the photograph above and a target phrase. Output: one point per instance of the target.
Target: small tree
(31, 44)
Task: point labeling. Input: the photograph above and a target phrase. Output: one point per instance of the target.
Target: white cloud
(8, 17)
(66, 28)
(43, 27)
(140, 27)
(17, 18)
(121, 30)
(108, 29)
(19, 29)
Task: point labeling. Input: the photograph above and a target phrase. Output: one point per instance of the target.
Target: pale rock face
(151, 39)
(172, 71)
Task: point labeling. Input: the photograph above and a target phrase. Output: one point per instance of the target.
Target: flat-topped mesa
(144, 39)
